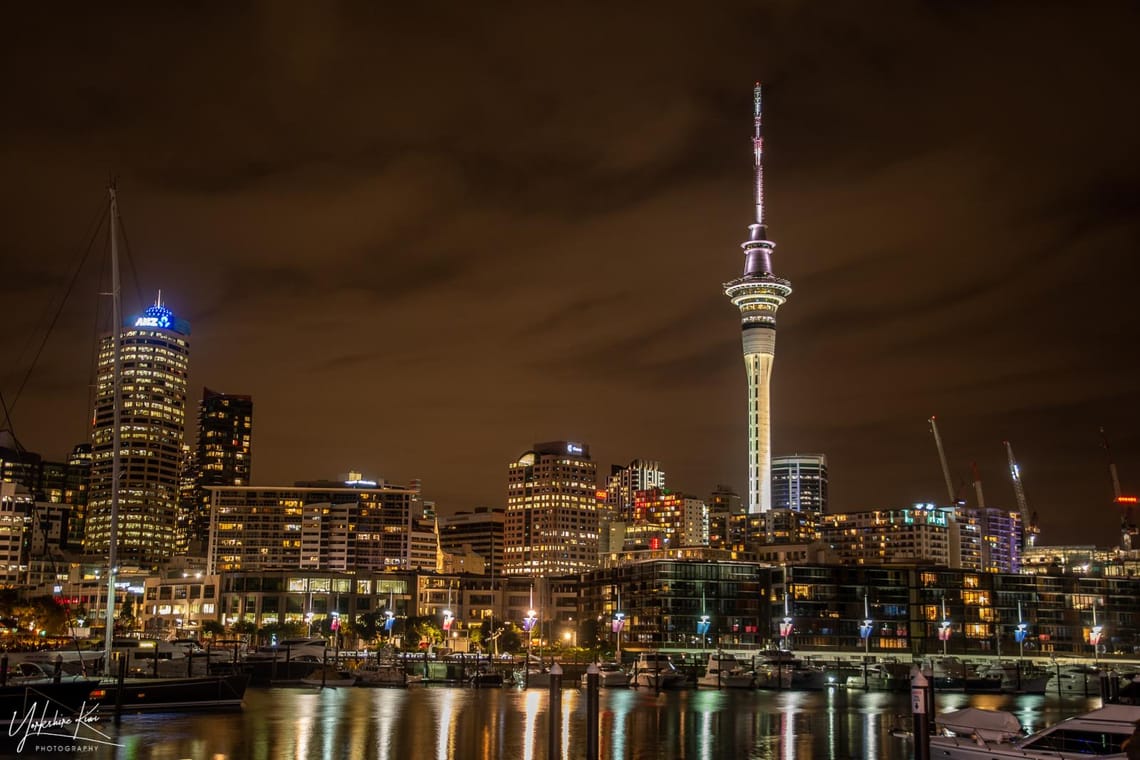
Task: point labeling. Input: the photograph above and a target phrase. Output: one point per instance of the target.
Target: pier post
(189, 663)
(156, 660)
(930, 697)
(554, 739)
(4, 670)
(919, 700)
(57, 673)
(593, 682)
(119, 687)
(325, 669)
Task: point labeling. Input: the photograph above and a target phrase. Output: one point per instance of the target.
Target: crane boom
(1028, 524)
(978, 485)
(942, 458)
(1111, 466)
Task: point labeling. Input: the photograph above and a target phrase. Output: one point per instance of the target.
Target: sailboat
(134, 694)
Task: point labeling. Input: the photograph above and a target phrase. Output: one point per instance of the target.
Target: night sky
(425, 240)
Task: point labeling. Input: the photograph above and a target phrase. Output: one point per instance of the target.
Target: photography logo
(42, 729)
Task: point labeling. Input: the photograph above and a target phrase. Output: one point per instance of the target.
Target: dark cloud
(423, 242)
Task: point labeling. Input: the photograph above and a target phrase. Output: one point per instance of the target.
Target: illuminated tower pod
(758, 294)
(155, 364)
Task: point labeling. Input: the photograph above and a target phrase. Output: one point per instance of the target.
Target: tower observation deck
(758, 293)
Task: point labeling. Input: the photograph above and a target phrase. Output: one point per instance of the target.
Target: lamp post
(944, 629)
(786, 625)
(617, 624)
(528, 626)
(1020, 633)
(865, 626)
(1095, 634)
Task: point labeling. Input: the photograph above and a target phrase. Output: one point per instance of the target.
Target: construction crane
(1128, 530)
(1029, 529)
(978, 485)
(942, 458)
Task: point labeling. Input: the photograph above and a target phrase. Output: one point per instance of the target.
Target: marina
(431, 722)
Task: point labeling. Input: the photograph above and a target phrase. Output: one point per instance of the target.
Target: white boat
(724, 671)
(1100, 733)
(381, 674)
(310, 649)
(610, 676)
(882, 676)
(653, 670)
(783, 670)
(1018, 677)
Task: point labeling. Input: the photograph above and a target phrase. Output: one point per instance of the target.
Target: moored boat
(783, 670)
(653, 670)
(610, 676)
(1101, 732)
(724, 671)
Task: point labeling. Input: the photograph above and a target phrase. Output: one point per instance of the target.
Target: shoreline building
(319, 527)
(799, 483)
(758, 294)
(223, 457)
(155, 365)
(552, 511)
(480, 531)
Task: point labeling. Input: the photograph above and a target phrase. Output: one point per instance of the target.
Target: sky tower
(758, 294)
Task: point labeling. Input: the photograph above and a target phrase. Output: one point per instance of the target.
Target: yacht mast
(116, 430)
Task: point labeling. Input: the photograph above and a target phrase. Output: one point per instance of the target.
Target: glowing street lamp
(865, 626)
(1020, 632)
(787, 627)
(1095, 635)
(944, 629)
(617, 624)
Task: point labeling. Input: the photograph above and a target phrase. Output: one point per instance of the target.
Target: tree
(425, 632)
(244, 628)
(212, 628)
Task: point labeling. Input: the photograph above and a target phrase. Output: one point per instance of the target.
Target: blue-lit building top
(159, 317)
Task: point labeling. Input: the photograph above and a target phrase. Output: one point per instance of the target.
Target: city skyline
(418, 268)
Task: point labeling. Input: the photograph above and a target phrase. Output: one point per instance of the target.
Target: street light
(944, 629)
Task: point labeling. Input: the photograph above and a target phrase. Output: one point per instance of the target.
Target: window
(1079, 741)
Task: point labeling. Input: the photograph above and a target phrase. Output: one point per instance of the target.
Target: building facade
(551, 523)
(799, 483)
(155, 350)
(223, 457)
(319, 528)
(481, 530)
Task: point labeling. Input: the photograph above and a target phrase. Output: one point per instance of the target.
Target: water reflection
(489, 724)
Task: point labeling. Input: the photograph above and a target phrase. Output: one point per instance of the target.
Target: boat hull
(203, 693)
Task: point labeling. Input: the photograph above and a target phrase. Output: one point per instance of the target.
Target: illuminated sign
(865, 629)
(944, 631)
(1126, 500)
(1020, 632)
(1095, 635)
(158, 317)
(389, 622)
(529, 621)
(786, 627)
(703, 625)
(573, 448)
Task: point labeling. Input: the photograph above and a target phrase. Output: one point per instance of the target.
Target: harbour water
(442, 723)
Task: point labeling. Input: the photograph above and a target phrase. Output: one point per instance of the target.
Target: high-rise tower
(155, 349)
(758, 294)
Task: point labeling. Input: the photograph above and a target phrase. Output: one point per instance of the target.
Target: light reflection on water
(391, 724)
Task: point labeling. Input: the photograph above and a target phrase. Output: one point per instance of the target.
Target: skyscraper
(223, 457)
(552, 511)
(155, 364)
(799, 483)
(758, 294)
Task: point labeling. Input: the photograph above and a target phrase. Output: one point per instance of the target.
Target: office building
(481, 531)
(552, 511)
(223, 457)
(799, 483)
(152, 398)
(318, 527)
